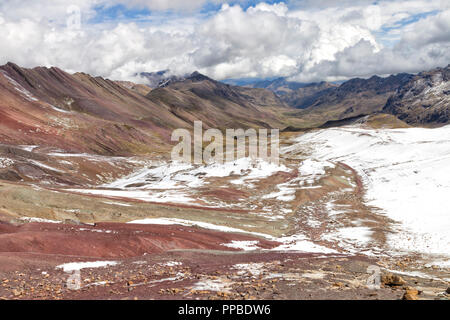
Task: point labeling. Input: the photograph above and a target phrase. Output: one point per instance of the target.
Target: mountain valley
(88, 186)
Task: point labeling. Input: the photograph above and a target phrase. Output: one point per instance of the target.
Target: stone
(412, 291)
(16, 293)
(408, 296)
(392, 280)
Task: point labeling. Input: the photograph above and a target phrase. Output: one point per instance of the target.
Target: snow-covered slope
(406, 174)
(176, 182)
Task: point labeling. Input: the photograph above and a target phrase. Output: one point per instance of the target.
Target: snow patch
(75, 266)
(171, 264)
(439, 264)
(42, 165)
(253, 269)
(58, 109)
(25, 93)
(243, 245)
(217, 285)
(299, 243)
(405, 172)
(5, 163)
(28, 148)
(118, 204)
(350, 238)
(40, 220)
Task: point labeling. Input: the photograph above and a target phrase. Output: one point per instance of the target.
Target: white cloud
(309, 42)
(426, 45)
(44, 11)
(431, 30)
(260, 41)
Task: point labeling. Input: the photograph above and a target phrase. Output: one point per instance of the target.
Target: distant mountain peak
(197, 76)
(163, 78)
(157, 79)
(11, 64)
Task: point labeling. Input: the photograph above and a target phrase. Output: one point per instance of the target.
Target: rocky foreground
(118, 261)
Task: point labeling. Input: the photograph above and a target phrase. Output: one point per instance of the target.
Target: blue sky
(122, 12)
(383, 33)
(409, 20)
(118, 12)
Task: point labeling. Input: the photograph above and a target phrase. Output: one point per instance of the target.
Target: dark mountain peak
(352, 84)
(20, 70)
(163, 79)
(11, 64)
(375, 83)
(321, 84)
(157, 79)
(152, 74)
(19, 74)
(197, 76)
(401, 76)
(53, 71)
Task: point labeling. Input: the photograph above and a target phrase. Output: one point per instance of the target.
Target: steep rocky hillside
(308, 95)
(295, 94)
(353, 98)
(280, 86)
(219, 105)
(80, 113)
(324, 101)
(423, 100)
(159, 78)
(139, 88)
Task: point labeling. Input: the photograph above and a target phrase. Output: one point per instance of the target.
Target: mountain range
(82, 113)
(87, 183)
(421, 99)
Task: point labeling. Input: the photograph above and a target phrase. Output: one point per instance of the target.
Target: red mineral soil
(109, 240)
(191, 272)
(78, 113)
(112, 240)
(39, 261)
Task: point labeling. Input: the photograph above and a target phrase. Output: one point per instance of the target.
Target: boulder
(392, 280)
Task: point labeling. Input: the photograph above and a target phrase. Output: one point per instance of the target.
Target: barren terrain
(315, 226)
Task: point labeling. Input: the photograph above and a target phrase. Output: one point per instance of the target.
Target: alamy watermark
(73, 21)
(220, 148)
(374, 280)
(73, 282)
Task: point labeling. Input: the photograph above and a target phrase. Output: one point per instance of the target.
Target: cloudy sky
(306, 40)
